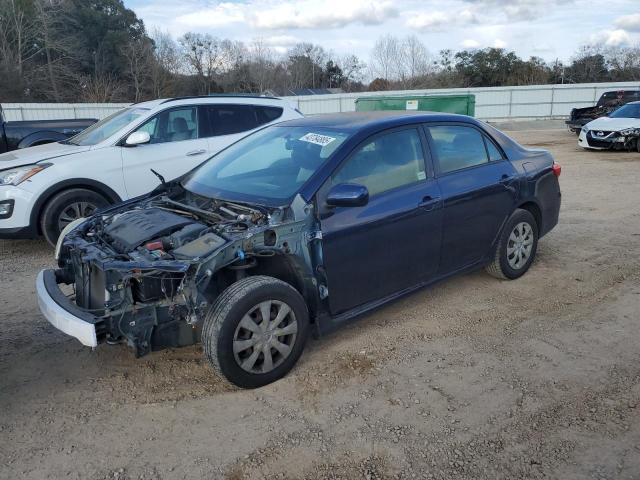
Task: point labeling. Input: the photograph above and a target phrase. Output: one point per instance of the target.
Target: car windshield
(630, 110)
(268, 167)
(107, 126)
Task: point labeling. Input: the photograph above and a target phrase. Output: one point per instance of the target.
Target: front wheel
(255, 331)
(67, 206)
(517, 247)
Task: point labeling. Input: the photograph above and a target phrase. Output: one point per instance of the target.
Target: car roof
(242, 99)
(356, 121)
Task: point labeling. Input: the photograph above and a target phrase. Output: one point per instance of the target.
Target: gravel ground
(474, 378)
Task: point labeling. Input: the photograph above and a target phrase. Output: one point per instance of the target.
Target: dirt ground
(474, 378)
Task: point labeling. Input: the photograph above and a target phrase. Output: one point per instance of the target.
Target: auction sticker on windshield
(317, 139)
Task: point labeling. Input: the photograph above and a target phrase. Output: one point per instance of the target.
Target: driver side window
(388, 161)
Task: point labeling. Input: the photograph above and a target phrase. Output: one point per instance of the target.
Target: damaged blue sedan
(297, 229)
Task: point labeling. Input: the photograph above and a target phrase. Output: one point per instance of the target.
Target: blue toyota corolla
(297, 229)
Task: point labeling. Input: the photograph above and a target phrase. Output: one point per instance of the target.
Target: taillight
(556, 169)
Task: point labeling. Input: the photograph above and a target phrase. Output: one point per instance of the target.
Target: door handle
(195, 152)
(506, 178)
(429, 203)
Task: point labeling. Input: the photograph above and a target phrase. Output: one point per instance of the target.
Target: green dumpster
(462, 104)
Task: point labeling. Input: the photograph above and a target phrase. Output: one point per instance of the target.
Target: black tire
(501, 267)
(222, 324)
(58, 208)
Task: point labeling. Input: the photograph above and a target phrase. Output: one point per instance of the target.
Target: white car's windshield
(268, 167)
(107, 126)
(630, 110)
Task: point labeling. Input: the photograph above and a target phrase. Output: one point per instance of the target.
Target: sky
(545, 28)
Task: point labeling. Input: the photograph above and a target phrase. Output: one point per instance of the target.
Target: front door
(175, 148)
(392, 243)
(479, 189)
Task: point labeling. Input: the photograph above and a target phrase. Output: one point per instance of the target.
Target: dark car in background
(298, 228)
(608, 102)
(29, 133)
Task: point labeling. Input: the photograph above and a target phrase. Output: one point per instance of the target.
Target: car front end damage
(146, 273)
(597, 139)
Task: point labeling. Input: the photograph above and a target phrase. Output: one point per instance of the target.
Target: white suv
(44, 188)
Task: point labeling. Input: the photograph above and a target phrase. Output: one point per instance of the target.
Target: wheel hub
(519, 245)
(265, 336)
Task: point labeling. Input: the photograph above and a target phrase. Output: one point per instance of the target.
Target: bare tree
(138, 54)
(261, 65)
(204, 57)
(415, 61)
(623, 63)
(50, 19)
(385, 58)
(352, 70)
(166, 64)
(100, 88)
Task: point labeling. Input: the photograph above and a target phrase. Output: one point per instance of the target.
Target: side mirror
(137, 138)
(348, 195)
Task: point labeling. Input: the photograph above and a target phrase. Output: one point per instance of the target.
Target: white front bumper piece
(60, 317)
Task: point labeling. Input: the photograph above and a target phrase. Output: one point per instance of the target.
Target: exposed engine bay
(148, 274)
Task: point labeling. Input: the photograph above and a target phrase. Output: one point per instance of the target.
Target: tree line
(100, 51)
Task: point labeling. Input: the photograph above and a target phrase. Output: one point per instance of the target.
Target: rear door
(176, 147)
(393, 242)
(479, 190)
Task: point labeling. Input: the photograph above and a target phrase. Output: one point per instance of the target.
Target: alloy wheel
(73, 211)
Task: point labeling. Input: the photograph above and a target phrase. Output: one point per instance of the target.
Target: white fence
(52, 111)
(492, 103)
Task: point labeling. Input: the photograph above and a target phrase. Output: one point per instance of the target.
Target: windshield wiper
(67, 142)
(162, 181)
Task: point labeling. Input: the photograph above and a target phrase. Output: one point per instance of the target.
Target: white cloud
(281, 41)
(428, 21)
(629, 22)
(519, 10)
(439, 20)
(326, 14)
(470, 43)
(220, 15)
(282, 14)
(611, 38)
(497, 43)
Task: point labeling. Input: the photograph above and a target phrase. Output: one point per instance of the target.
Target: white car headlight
(15, 176)
(630, 131)
(585, 129)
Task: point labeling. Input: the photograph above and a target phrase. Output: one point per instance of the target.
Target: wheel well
(534, 210)
(285, 268)
(36, 213)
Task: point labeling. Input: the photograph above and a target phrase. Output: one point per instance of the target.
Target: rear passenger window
(387, 162)
(267, 114)
(230, 119)
(492, 150)
(458, 147)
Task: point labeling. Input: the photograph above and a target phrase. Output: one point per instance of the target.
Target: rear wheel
(517, 247)
(255, 331)
(67, 206)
